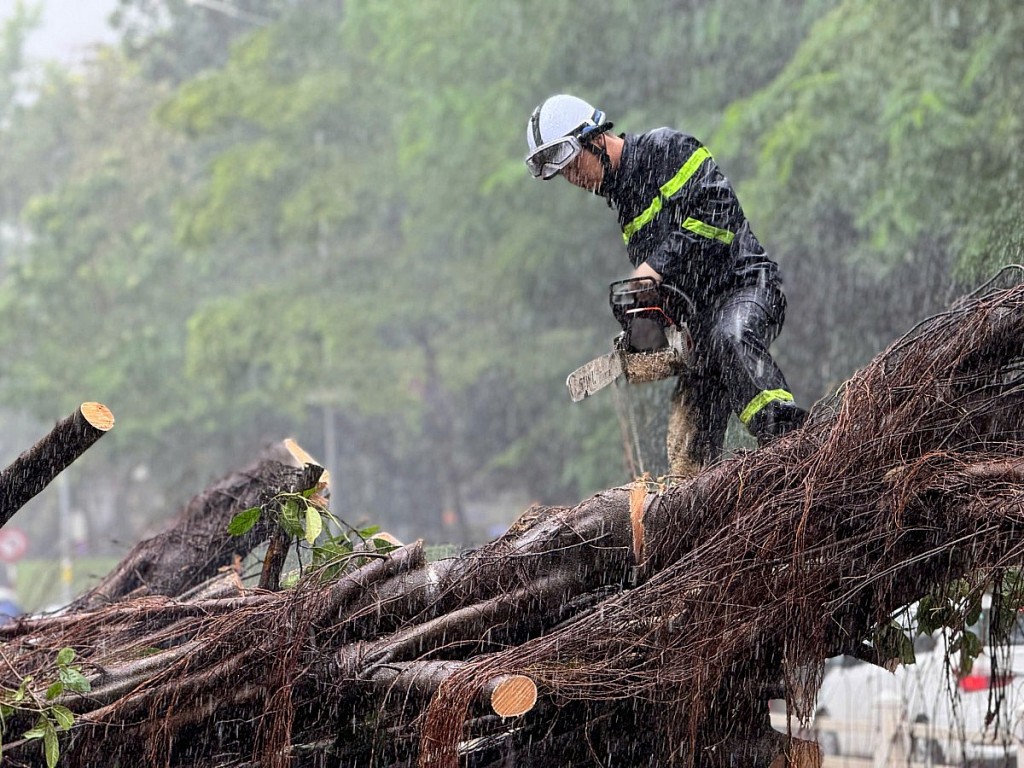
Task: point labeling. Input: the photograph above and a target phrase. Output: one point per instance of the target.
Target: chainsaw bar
(637, 366)
(594, 376)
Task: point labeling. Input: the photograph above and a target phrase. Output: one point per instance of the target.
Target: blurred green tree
(882, 160)
(314, 219)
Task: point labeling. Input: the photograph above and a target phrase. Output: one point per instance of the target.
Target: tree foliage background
(311, 218)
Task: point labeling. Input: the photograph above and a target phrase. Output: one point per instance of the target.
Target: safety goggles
(548, 160)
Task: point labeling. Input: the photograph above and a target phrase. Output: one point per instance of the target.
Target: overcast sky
(68, 27)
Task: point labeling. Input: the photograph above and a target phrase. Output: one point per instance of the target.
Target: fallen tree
(645, 626)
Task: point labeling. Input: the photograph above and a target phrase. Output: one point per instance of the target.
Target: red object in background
(974, 683)
(13, 545)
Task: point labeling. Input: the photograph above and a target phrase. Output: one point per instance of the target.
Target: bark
(273, 560)
(36, 468)
(198, 544)
(590, 545)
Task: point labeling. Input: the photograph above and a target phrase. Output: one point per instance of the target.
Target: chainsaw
(652, 345)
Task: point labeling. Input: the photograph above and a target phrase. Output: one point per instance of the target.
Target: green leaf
(330, 550)
(243, 522)
(290, 519)
(369, 531)
(54, 691)
(19, 695)
(1012, 582)
(383, 545)
(314, 524)
(335, 547)
(74, 680)
(935, 612)
(892, 643)
(65, 656)
(51, 746)
(63, 716)
(973, 613)
(36, 732)
(970, 647)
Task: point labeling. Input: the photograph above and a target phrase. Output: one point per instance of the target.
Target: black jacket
(679, 213)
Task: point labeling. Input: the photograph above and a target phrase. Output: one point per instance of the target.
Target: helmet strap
(607, 186)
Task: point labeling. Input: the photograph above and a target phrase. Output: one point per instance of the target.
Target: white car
(943, 715)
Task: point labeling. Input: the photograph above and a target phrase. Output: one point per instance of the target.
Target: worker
(684, 227)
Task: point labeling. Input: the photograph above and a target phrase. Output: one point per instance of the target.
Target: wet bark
(197, 544)
(36, 468)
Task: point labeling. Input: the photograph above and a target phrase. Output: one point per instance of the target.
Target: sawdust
(679, 441)
(652, 366)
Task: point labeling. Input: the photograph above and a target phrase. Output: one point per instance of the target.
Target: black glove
(645, 334)
(637, 304)
(640, 334)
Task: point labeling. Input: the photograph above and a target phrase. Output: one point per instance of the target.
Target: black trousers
(733, 372)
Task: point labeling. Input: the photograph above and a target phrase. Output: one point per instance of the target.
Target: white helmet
(556, 131)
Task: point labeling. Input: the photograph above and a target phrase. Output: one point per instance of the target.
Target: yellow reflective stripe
(689, 168)
(636, 224)
(761, 400)
(708, 231)
(666, 190)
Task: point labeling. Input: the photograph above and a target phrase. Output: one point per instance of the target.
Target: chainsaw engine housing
(639, 305)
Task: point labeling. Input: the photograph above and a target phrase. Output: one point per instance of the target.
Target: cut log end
(799, 753)
(97, 415)
(303, 457)
(513, 695)
(637, 498)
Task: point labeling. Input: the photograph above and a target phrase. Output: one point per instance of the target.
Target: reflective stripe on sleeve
(761, 400)
(665, 191)
(708, 231)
